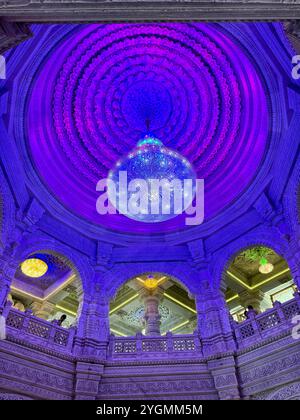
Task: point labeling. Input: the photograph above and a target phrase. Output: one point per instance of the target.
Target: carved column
(93, 327)
(7, 272)
(88, 376)
(213, 320)
(91, 342)
(152, 316)
(93, 323)
(224, 373)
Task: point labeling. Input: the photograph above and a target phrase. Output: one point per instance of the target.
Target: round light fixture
(159, 175)
(34, 267)
(265, 267)
(151, 283)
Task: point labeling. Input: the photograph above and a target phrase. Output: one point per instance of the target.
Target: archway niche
(257, 277)
(48, 284)
(152, 304)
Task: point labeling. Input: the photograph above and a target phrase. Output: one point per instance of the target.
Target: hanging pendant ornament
(152, 183)
(265, 267)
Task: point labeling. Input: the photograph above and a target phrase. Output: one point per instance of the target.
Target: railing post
(237, 334)
(254, 323)
(52, 332)
(28, 314)
(111, 345)
(139, 343)
(278, 307)
(70, 343)
(197, 341)
(170, 342)
(7, 308)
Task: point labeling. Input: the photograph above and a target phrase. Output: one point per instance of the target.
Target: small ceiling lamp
(265, 267)
(34, 267)
(151, 283)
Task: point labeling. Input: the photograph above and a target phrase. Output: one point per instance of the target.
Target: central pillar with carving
(152, 299)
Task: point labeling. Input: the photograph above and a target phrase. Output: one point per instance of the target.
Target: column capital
(42, 309)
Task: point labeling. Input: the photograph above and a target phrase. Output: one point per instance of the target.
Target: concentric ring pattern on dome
(99, 83)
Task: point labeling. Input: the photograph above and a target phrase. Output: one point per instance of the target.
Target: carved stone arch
(263, 236)
(121, 273)
(78, 262)
(7, 212)
(289, 392)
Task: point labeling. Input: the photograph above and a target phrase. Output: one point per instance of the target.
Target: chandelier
(34, 267)
(265, 267)
(167, 178)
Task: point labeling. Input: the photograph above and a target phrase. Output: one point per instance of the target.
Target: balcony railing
(155, 347)
(23, 325)
(270, 323)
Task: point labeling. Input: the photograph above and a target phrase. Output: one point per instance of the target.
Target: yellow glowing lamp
(34, 267)
(151, 283)
(265, 267)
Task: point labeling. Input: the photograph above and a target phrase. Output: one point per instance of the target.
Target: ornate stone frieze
(288, 392)
(159, 387)
(35, 375)
(33, 391)
(271, 368)
(116, 10)
(8, 396)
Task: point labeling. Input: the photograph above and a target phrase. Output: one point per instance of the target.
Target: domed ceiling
(95, 86)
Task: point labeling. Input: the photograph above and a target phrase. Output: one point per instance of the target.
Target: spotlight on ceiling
(34, 267)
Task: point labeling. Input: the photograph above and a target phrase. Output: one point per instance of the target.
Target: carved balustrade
(270, 323)
(24, 326)
(142, 347)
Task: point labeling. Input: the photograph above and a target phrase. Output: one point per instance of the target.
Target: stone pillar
(213, 320)
(256, 299)
(42, 309)
(93, 326)
(88, 377)
(223, 371)
(6, 275)
(152, 316)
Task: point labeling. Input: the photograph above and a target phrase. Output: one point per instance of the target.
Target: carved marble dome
(90, 88)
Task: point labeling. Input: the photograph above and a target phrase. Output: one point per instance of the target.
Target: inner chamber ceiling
(89, 90)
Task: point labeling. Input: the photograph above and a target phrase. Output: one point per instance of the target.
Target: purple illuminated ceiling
(99, 83)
